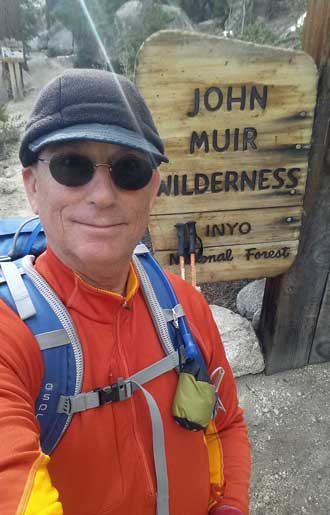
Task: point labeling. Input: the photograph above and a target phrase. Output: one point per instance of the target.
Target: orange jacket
(104, 463)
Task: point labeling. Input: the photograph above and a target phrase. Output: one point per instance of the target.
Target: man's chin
(103, 255)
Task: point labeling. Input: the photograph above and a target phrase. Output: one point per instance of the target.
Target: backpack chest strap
(119, 391)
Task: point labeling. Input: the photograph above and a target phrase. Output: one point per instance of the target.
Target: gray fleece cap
(95, 105)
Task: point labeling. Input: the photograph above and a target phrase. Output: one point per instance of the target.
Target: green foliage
(300, 37)
(124, 45)
(31, 11)
(205, 10)
(3, 114)
(277, 6)
(258, 32)
(72, 15)
(293, 39)
(154, 19)
(9, 131)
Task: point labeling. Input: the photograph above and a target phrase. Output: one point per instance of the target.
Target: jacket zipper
(150, 484)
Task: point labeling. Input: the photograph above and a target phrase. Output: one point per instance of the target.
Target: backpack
(29, 295)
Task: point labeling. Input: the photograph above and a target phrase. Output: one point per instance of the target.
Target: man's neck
(116, 284)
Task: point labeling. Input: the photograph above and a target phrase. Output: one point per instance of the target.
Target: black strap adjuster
(108, 394)
(119, 391)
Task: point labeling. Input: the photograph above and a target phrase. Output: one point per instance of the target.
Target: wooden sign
(9, 54)
(236, 119)
(13, 57)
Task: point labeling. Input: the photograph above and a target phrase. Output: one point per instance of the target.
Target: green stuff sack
(194, 402)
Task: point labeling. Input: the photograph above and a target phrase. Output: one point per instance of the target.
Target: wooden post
(13, 81)
(19, 81)
(293, 302)
(15, 76)
(321, 342)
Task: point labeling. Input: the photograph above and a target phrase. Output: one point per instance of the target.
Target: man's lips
(95, 225)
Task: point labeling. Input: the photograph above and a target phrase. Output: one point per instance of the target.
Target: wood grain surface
(295, 324)
(221, 262)
(236, 119)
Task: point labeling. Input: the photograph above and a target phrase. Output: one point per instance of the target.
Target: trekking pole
(192, 251)
(181, 235)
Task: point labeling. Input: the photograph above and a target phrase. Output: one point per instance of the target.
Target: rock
(129, 10)
(130, 17)
(177, 18)
(60, 41)
(249, 299)
(134, 22)
(213, 26)
(7, 186)
(240, 341)
(39, 42)
(256, 319)
(65, 61)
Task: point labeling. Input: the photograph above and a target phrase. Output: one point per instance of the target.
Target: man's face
(95, 226)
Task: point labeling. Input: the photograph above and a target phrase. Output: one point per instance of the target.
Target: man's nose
(101, 190)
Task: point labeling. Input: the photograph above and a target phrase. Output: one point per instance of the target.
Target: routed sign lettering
(236, 119)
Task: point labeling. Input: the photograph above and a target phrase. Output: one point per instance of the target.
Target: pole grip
(192, 236)
(180, 232)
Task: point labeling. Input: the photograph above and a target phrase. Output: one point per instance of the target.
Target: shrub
(259, 33)
(3, 114)
(154, 19)
(9, 131)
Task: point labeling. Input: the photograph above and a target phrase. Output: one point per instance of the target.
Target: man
(90, 153)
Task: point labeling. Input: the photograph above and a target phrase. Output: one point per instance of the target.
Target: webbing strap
(154, 307)
(158, 443)
(18, 290)
(156, 369)
(52, 339)
(75, 403)
(119, 391)
(172, 315)
(3, 279)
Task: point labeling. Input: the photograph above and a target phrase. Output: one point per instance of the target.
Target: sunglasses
(129, 172)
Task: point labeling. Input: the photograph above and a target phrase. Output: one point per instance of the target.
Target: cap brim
(98, 132)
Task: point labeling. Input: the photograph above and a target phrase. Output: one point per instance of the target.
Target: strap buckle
(173, 314)
(119, 391)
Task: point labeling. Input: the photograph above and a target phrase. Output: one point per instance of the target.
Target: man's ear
(30, 185)
(155, 187)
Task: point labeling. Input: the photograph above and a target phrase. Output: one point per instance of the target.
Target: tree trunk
(50, 4)
(293, 302)
(10, 22)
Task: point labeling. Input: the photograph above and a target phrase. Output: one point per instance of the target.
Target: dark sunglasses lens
(71, 169)
(131, 173)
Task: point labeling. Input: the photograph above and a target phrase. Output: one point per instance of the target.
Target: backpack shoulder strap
(49, 322)
(166, 311)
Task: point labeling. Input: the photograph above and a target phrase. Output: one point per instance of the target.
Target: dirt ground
(41, 70)
(288, 414)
